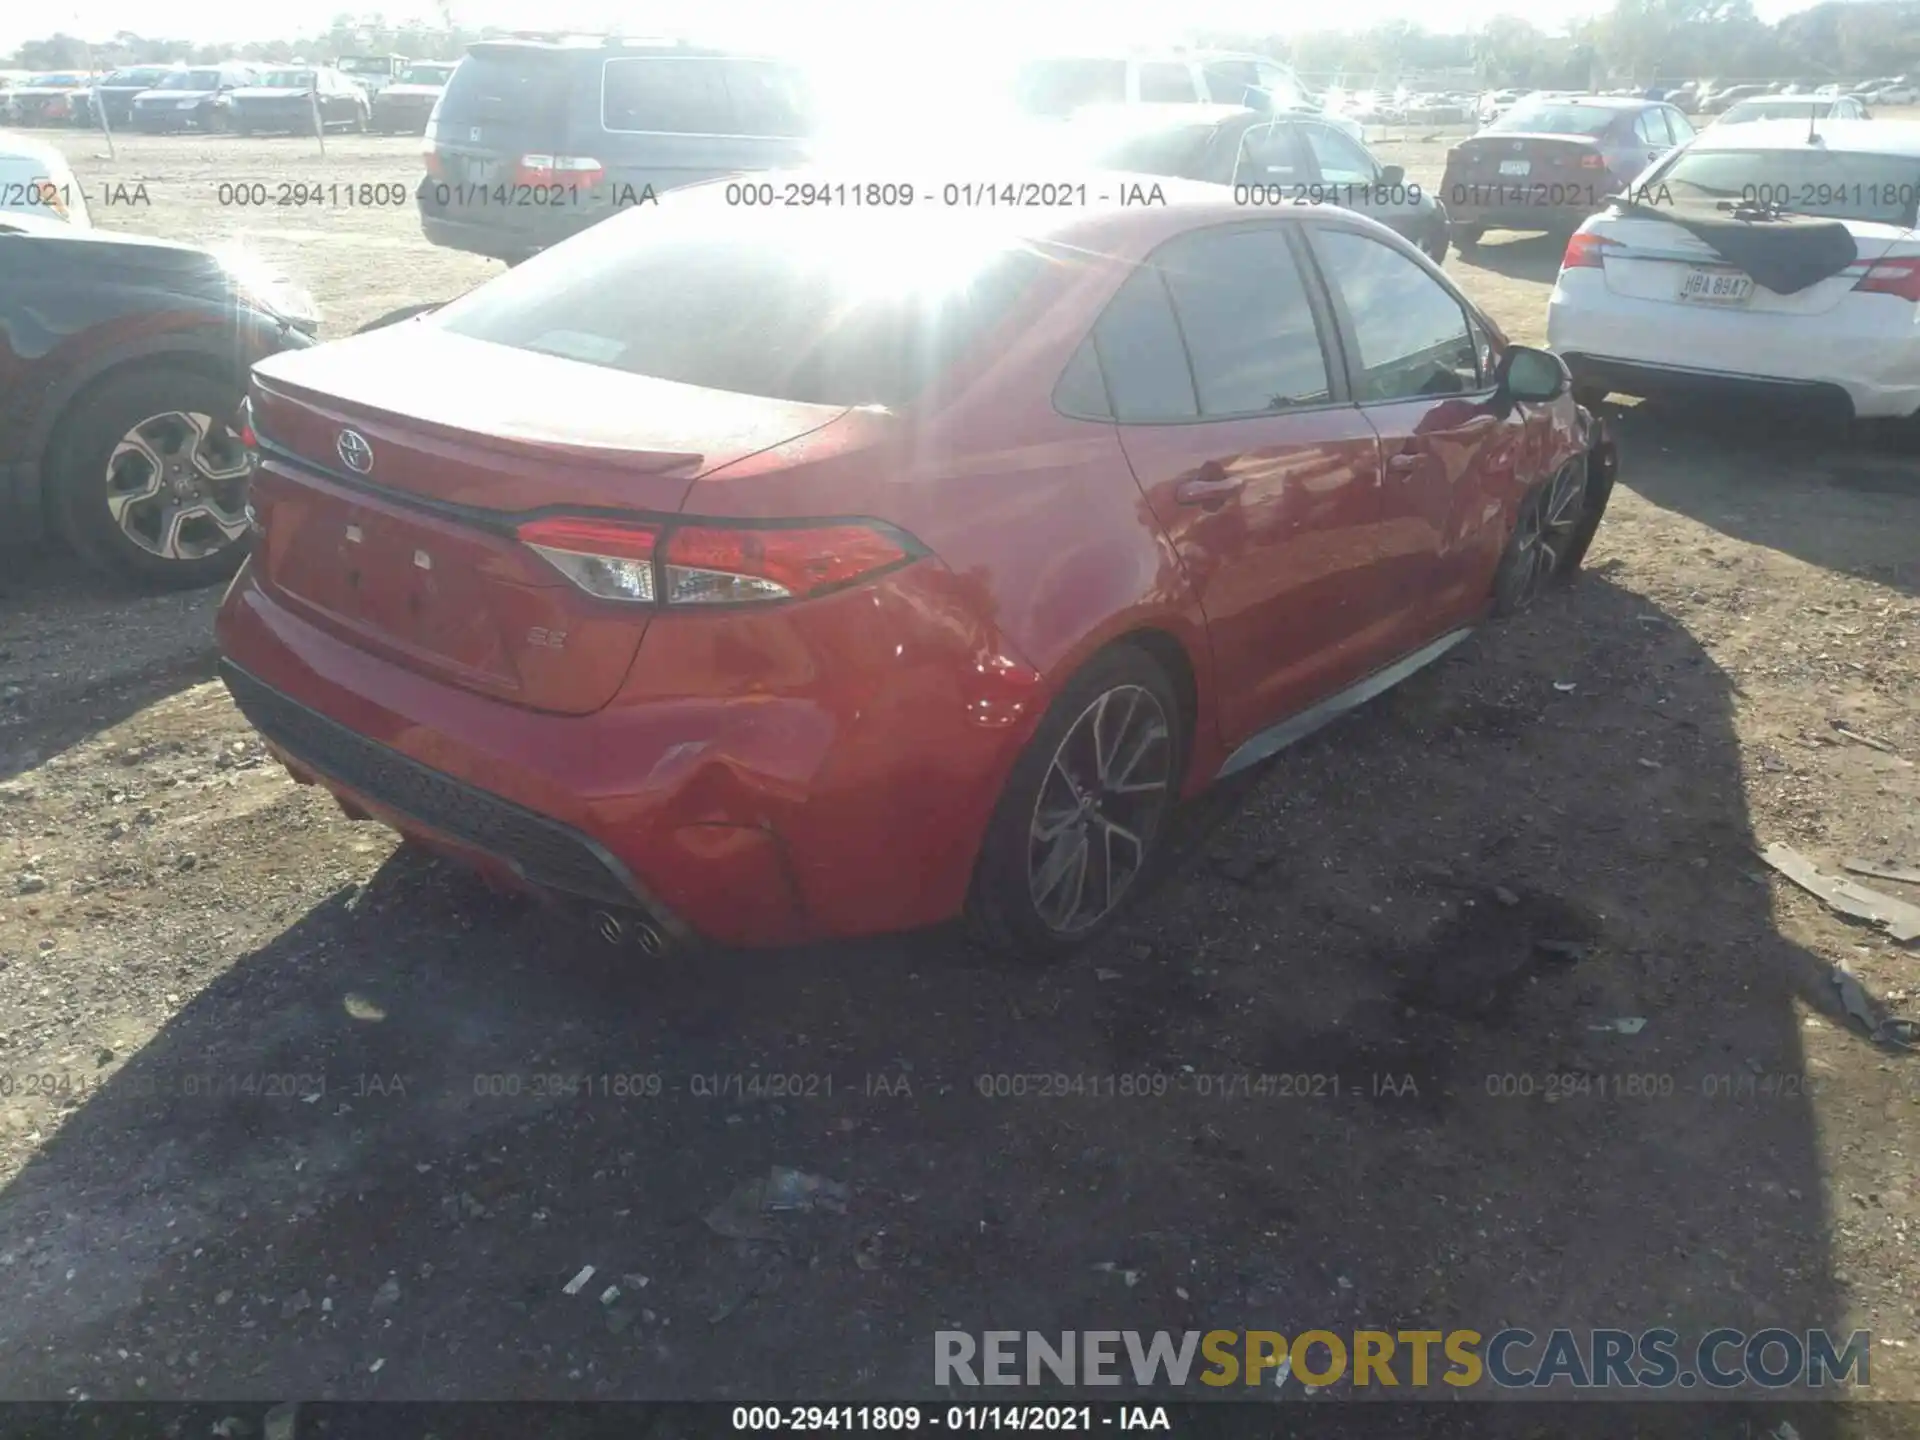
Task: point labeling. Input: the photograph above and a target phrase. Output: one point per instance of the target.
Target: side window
(1248, 327)
(769, 99)
(1341, 161)
(1081, 391)
(1681, 127)
(1269, 155)
(1651, 128)
(671, 96)
(1141, 354)
(1228, 81)
(1164, 82)
(1412, 333)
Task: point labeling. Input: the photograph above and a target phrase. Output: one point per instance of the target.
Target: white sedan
(36, 180)
(1652, 301)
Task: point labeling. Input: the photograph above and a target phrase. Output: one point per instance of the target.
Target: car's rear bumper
(1863, 364)
(1551, 218)
(493, 237)
(852, 804)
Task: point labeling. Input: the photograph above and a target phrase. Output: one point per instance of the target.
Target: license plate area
(1516, 167)
(1704, 285)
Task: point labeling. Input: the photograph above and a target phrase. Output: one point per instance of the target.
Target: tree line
(1636, 41)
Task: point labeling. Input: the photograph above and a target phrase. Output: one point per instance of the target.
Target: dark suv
(536, 139)
(123, 361)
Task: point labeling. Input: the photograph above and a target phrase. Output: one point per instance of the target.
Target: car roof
(1863, 137)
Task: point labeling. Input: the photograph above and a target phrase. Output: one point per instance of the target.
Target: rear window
(1155, 152)
(821, 309)
(704, 95)
(1810, 181)
(508, 87)
(426, 74)
(1547, 118)
(288, 80)
(191, 80)
(1059, 87)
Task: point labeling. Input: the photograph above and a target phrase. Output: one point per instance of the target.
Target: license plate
(480, 172)
(1716, 287)
(1516, 167)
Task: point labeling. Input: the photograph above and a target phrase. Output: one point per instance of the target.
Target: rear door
(1422, 372)
(1263, 475)
(1347, 176)
(504, 101)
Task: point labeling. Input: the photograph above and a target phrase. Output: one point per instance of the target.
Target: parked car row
(235, 96)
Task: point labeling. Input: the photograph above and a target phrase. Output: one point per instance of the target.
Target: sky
(862, 24)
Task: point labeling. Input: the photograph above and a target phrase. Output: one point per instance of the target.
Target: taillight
(709, 564)
(722, 565)
(578, 170)
(436, 167)
(1892, 277)
(1591, 161)
(1585, 252)
(612, 559)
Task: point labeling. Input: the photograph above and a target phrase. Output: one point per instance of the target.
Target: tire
(1551, 532)
(1466, 238)
(1011, 909)
(1603, 463)
(361, 119)
(89, 469)
(1436, 247)
(394, 317)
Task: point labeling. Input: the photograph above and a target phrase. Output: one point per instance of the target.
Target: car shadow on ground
(1363, 1065)
(1848, 503)
(1518, 256)
(79, 653)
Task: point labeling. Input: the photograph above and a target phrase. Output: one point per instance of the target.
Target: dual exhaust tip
(634, 930)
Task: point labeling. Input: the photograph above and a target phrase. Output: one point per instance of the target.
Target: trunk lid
(413, 556)
(1528, 159)
(1647, 258)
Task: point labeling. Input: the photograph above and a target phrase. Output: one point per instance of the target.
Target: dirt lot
(177, 919)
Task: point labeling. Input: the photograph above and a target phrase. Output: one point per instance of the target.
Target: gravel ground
(275, 1115)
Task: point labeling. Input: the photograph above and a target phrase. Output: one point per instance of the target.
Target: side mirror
(1392, 177)
(1534, 377)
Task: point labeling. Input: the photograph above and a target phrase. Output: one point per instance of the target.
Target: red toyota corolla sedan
(761, 576)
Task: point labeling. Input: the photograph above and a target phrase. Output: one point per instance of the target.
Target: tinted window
(768, 99)
(1244, 315)
(191, 80)
(1228, 81)
(288, 80)
(847, 309)
(1651, 126)
(1270, 155)
(1081, 391)
(1340, 160)
(1681, 127)
(425, 74)
(1141, 354)
(1163, 83)
(1155, 152)
(677, 96)
(1412, 333)
(1059, 87)
(1548, 117)
(506, 87)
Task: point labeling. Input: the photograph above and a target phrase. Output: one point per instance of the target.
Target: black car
(538, 139)
(196, 99)
(115, 94)
(123, 362)
(1268, 159)
(287, 101)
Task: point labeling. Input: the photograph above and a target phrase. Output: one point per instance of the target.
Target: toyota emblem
(355, 453)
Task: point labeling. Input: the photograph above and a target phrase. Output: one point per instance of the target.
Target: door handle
(1404, 463)
(1207, 490)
